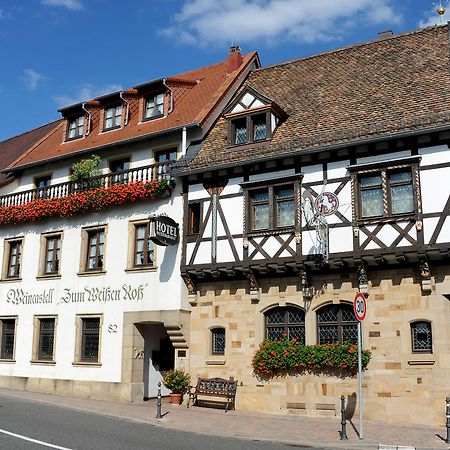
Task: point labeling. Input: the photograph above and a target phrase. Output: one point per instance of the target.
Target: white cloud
(31, 79)
(86, 92)
(212, 21)
(69, 4)
(432, 18)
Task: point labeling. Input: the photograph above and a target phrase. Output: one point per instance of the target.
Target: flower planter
(176, 399)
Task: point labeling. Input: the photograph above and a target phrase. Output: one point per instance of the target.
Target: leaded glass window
(113, 117)
(154, 106)
(402, 197)
(260, 210)
(371, 196)
(285, 207)
(8, 329)
(421, 337)
(46, 339)
(143, 249)
(90, 337)
(240, 131)
(14, 258)
(259, 128)
(218, 341)
(285, 322)
(96, 248)
(337, 323)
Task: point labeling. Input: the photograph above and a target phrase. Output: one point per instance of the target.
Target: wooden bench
(213, 387)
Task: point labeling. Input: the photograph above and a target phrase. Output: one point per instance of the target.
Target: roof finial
(441, 10)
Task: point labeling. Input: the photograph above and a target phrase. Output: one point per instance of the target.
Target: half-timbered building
(91, 300)
(324, 177)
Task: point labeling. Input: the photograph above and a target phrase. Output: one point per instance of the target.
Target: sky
(54, 53)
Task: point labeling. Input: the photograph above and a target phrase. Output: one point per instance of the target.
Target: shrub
(86, 168)
(290, 356)
(177, 381)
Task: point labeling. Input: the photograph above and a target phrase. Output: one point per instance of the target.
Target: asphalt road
(28, 425)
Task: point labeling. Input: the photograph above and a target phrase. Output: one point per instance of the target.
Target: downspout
(164, 81)
(128, 108)
(183, 141)
(89, 119)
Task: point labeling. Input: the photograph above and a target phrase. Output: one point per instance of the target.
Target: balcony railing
(146, 173)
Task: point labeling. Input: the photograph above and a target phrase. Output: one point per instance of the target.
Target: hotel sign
(164, 231)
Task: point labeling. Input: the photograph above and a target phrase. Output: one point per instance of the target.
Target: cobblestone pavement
(294, 430)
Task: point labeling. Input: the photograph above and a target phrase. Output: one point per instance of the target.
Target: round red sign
(360, 306)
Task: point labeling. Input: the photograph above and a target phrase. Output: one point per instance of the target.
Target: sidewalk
(323, 432)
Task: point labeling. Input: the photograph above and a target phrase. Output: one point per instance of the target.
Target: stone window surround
(43, 254)
(15, 318)
(36, 337)
(6, 258)
(78, 340)
(84, 249)
(131, 249)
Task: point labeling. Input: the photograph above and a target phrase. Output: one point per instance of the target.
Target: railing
(146, 173)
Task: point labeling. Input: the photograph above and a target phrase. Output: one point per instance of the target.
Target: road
(29, 425)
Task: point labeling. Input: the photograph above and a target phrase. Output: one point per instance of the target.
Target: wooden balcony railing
(146, 173)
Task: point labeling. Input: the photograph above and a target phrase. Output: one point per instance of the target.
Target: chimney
(234, 59)
(385, 34)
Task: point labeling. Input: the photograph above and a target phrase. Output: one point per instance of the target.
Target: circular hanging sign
(360, 306)
(326, 203)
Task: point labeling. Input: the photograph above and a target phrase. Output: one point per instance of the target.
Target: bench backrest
(216, 386)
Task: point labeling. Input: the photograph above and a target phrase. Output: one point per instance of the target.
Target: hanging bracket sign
(164, 231)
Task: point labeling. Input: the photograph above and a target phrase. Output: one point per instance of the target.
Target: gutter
(89, 119)
(306, 151)
(100, 148)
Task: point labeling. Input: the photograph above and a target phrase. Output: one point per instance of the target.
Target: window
(88, 339)
(252, 128)
(272, 208)
(162, 156)
(96, 249)
(52, 254)
(8, 333)
(194, 218)
(42, 185)
(336, 323)
(287, 322)
(75, 127)
(13, 252)
(421, 337)
(386, 193)
(154, 106)
(144, 253)
(218, 341)
(118, 167)
(44, 338)
(113, 117)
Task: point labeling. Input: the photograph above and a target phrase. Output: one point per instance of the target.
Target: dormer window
(75, 127)
(154, 106)
(252, 118)
(113, 117)
(252, 128)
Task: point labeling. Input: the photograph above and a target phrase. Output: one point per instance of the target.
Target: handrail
(146, 173)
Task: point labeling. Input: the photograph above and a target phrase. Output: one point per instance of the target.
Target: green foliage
(177, 381)
(85, 169)
(290, 356)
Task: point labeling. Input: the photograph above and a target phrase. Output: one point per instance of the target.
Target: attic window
(75, 127)
(154, 106)
(113, 117)
(250, 128)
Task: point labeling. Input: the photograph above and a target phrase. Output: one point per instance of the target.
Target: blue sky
(57, 52)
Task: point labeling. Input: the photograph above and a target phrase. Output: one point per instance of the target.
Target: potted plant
(178, 382)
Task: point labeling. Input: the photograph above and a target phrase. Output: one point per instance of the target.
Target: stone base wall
(399, 385)
(120, 392)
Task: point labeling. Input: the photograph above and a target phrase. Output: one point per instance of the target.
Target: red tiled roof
(12, 148)
(373, 90)
(195, 95)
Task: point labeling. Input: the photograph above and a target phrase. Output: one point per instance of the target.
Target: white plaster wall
(312, 174)
(337, 169)
(384, 157)
(434, 155)
(435, 189)
(233, 210)
(232, 187)
(278, 175)
(340, 239)
(197, 192)
(204, 253)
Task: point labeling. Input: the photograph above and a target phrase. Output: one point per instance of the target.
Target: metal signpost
(360, 309)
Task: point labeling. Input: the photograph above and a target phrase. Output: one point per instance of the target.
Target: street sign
(360, 306)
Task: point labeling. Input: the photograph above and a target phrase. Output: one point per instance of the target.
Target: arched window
(288, 321)
(421, 337)
(218, 341)
(337, 323)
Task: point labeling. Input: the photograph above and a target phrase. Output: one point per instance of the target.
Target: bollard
(447, 412)
(343, 431)
(158, 403)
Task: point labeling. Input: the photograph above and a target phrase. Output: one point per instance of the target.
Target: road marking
(33, 440)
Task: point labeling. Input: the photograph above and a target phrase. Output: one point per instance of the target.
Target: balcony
(144, 174)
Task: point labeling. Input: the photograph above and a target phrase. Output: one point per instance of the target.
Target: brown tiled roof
(397, 85)
(195, 93)
(12, 148)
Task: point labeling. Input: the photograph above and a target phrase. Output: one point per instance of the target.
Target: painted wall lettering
(19, 296)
